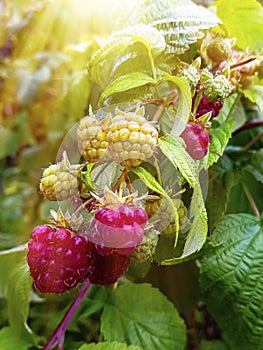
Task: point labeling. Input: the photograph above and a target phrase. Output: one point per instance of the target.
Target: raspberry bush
(131, 176)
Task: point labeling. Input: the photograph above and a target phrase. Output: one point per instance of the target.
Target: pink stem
(57, 337)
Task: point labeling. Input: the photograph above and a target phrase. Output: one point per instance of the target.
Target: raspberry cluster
(59, 259)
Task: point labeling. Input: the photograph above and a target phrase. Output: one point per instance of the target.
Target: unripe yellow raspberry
(131, 138)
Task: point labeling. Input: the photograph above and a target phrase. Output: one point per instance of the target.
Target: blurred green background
(44, 91)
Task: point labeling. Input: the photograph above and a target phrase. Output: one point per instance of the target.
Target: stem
(120, 180)
(57, 337)
(251, 143)
(249, 125)
(251, 200)
(158, 113)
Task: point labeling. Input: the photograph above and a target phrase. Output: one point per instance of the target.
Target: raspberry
(219, 49)
(191, 75)
(196, 140)
(146, 249)
(217, 88)
(205, 106)
(58, 261)
(131, 138)
(162, 213)
(58, 182)
(159, 213)
(107, 269)
(92, 138)
(182, 211)
(118, 230)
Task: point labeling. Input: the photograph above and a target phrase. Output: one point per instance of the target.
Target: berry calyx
(132, 139)
(196, 140)
(57, 260)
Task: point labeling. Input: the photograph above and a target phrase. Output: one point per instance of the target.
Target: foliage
(74, 66)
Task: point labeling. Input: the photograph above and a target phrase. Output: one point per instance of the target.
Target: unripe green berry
(146, 249)
(218, 88)
(219, 49)
(191, 75)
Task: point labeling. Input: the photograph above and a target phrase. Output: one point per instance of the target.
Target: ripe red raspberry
(118, 230)
(205, 106)
(196, 140)
(57, 260)
(107, 269)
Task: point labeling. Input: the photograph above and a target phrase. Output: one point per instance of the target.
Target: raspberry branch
(57, 337)
(249, 125)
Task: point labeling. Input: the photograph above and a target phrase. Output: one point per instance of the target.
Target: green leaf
(219, 137)
(126, 82)
(87, 178)
(174, 150)
(149, 180)
(233, 109)
(212, 345)
(217, 197)
(198, 231)
(109, 346)
(10, 340)
(197, 234)
(148, 319)
(231, 280)
(15, 286)
(18, 291)
(154, 185)
(120, 41)
(183, 108)
(237, 12)
(150, 37)
(173, 147)
(256, 166)
(180, 22)
(254, 93)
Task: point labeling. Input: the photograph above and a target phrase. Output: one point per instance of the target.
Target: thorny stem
(57, 337)
(251, 200)
(251, 143)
